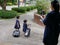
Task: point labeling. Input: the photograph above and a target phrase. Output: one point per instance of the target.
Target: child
(24, 26)
(16, 32)
(17, 24)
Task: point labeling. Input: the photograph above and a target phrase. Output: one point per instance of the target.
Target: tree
(3, 4)
(18, 3)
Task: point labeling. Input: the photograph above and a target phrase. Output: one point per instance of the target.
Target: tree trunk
(4, 5)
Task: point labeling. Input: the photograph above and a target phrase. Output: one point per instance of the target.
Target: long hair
(55, 5)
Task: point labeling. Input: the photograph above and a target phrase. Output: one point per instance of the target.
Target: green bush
(39, 10)
(27, 2)
(31, 7)
(14, 3)
(24, 9)
(35, 7)
(19, 10)
(7, 14)
(9, 4)
(15, 9)
(28, 8)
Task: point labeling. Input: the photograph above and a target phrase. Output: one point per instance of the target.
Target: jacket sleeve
(46, 21)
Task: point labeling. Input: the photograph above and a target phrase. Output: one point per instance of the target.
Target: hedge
(9, 4)
(19, 10)
(7, 14)
(24, 9)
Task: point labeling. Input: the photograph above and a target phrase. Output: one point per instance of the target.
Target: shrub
(7, 14)
(14, 3)
(35, 7)
(31, 7)
(24, 9)
(9, 4)
(27, 2)
(28, 8)
(20, 10)
(15, 9)
(39, 10)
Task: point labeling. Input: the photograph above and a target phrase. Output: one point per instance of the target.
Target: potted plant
(42, 9)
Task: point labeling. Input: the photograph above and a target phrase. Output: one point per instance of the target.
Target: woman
(51, 22)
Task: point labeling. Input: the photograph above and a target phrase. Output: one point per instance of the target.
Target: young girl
(16, 32)
(17, 24)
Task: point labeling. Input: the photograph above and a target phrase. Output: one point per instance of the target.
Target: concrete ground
(7, 28)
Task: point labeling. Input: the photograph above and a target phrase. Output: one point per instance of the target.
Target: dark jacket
(24, 27)
(51, 32)
(17, 24)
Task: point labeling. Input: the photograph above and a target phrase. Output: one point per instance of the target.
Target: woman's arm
(46, 21)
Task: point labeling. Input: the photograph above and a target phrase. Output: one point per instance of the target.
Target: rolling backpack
(16, 33)
(27, 34)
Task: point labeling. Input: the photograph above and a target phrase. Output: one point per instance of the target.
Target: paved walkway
(7, 27)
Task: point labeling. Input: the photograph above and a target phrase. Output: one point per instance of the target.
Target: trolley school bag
(27, 34)
(16, 33)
